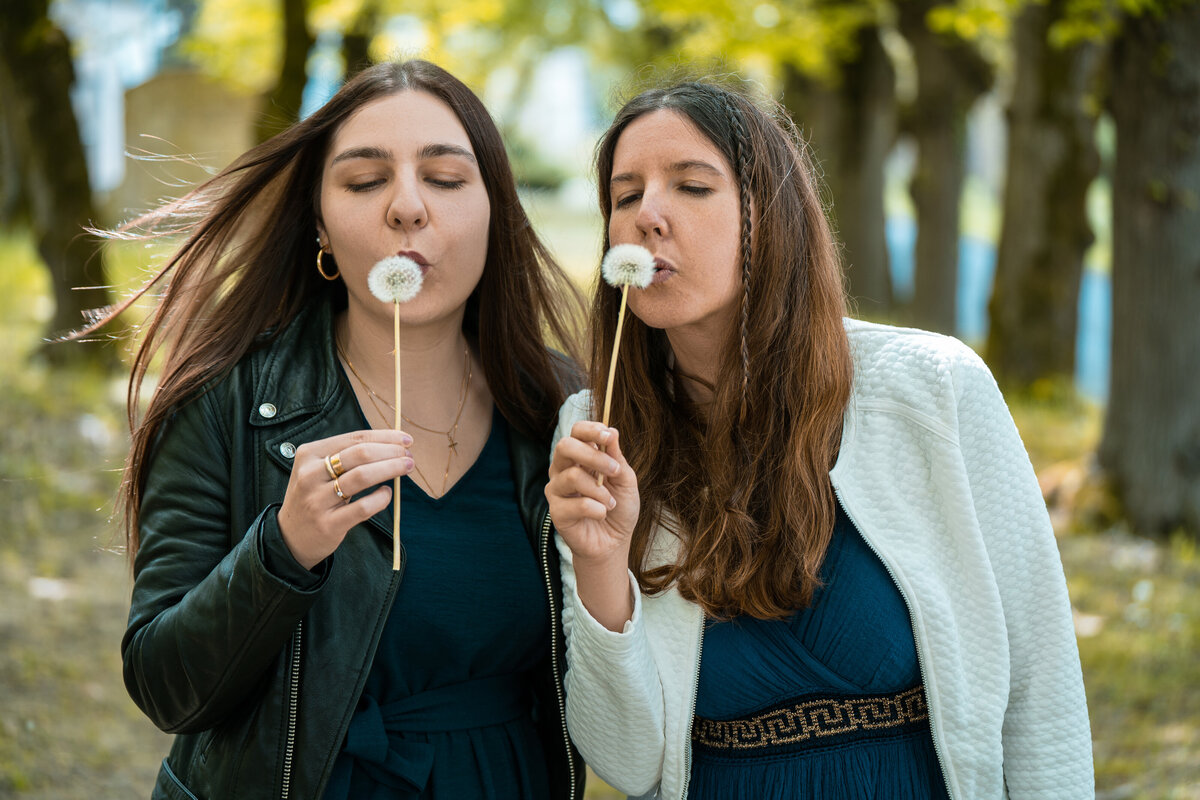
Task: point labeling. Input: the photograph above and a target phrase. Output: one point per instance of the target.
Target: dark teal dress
(446, 712)
(827, 704)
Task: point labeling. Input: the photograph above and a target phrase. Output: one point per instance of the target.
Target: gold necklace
(451, 441)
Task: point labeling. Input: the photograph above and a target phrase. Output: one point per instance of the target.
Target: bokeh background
(1022, 174)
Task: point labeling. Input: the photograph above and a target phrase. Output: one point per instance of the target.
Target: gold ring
(337, 487)
(335, 461)
(333, 473)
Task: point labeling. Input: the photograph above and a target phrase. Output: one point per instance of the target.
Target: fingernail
(614, 469)
(612, 503)
(406, 440)
(603, 437)
(408, 463)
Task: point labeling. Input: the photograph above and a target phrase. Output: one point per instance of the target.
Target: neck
(431, 362)
(698, 354)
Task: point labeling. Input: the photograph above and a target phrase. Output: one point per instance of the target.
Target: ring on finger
(333, 466)
(337, 487)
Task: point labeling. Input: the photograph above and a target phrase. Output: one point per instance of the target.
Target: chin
(658, 312)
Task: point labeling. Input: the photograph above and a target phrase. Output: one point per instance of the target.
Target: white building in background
(117, 44)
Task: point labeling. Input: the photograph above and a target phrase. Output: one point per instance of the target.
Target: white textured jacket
(933, 473)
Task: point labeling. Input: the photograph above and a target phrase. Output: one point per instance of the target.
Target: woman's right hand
(314, 519)
(596, 521)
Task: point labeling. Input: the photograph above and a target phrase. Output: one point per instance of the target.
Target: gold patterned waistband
(815, 720)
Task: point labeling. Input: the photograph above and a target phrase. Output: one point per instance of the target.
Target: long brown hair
(744, 482)
(250, 234)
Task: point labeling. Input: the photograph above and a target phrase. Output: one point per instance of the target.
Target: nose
(407, 207)
(651, 217)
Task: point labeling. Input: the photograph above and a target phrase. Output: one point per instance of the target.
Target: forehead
(664, 135)
(401, 122)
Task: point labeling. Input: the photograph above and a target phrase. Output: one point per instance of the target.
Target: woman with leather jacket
(267, 628)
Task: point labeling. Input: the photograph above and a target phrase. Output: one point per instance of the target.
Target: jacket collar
(298, 371)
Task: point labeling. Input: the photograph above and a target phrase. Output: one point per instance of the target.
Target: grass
(68, 730)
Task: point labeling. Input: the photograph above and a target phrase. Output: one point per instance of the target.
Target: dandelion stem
(396, 482)
(612, 366)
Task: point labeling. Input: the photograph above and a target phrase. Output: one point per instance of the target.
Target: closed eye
(698, 191)
(628, 199)
(364, 186)
(443, 183)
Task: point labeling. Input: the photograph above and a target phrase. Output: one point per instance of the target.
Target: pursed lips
(662, 271)
(416, 257)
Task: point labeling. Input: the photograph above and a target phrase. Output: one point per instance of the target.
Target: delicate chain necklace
(451, 441)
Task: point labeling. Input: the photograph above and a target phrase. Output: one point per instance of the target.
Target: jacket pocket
(169, 787)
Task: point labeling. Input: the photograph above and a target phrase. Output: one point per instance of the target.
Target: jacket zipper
(293, 706)
(912, 622)
(687, 753)
(554, 661)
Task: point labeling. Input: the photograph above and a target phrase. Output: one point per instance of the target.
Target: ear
(322, 237)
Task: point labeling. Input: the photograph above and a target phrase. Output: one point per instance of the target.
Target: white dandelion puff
(623, 266)
(395, 279)
(628, 265)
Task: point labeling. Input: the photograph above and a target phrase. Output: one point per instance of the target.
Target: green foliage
(1100, 20)
(25, 304)
(238, 42)
(973, 20)
(814, 37)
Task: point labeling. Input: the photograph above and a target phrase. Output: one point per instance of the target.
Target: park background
(1024, 175)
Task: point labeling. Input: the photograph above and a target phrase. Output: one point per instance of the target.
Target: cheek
(620, 231)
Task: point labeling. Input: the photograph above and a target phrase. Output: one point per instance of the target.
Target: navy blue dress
(446, 711)
(827, 704)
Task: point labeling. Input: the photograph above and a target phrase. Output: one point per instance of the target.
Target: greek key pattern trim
(813, 719)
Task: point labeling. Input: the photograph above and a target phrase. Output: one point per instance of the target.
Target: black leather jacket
(259, 678)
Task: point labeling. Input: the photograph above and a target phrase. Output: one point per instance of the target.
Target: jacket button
(288, 449)
(266, 410)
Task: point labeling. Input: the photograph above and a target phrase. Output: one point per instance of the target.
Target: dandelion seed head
(629, 264)
(395, 279)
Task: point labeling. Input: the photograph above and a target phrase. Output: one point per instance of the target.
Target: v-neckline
(424, 496)
(438, 502)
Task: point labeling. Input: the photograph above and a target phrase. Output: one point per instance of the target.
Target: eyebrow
(443, 149)
(428, 151)
(678, 166)
(373, 153)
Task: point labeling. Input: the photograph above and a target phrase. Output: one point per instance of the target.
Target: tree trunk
(868, 132)
(35, 81)
(282, 105)
(356, 40)
(851, 128)
(1052, 160)
(1151, 443)
(951, 75)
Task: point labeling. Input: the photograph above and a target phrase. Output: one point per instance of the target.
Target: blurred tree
(851, 123)
(46, 180)
(1151, 442)
(1052, 160)
(357, 36)
(952, 73)
(281, 107)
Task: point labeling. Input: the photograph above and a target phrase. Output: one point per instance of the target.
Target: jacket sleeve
(1046, 735)
(207, 619)
(615, 711)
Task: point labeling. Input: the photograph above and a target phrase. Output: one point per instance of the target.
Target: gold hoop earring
(321, 268)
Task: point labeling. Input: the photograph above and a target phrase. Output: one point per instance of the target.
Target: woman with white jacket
(818, 564)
